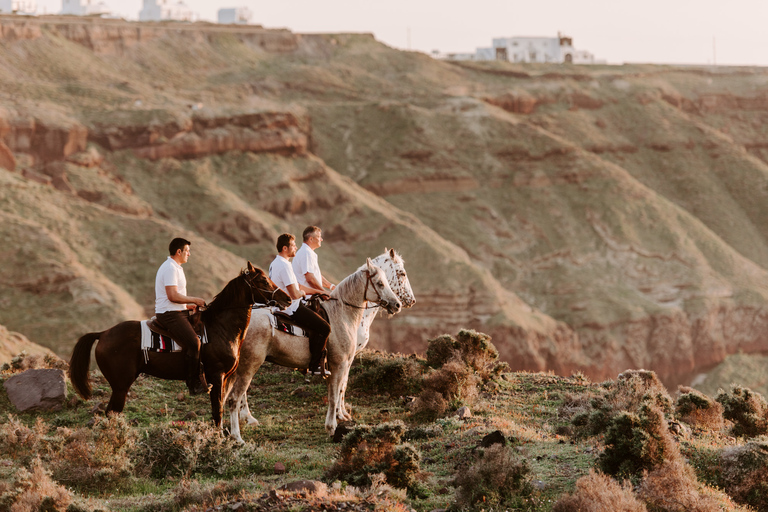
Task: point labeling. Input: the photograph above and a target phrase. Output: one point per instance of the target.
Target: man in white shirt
(281, 273)
(305, 264)
(173, 306)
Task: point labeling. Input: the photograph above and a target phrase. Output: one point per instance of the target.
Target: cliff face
(589, 219)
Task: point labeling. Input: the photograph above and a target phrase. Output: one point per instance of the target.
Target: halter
(368, 281)
(270, 303)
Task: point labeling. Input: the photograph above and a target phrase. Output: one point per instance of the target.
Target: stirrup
(321, 371)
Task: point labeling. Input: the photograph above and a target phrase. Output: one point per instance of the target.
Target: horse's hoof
(252, 421)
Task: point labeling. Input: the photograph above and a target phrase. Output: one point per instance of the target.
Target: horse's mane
(224, 299)
(397, 259)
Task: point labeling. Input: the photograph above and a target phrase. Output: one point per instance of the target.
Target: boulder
(463, 413)
(37, 390)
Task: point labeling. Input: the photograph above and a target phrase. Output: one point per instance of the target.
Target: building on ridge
(557, 50)
(235, 15)
(166, 10)
(84, 7)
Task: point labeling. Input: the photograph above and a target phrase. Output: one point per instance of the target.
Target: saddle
(155, 325)
(286, 323)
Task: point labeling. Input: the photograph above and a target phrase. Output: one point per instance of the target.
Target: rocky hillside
(590, 218)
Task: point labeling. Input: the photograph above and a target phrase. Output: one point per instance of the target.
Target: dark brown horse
(121, 359)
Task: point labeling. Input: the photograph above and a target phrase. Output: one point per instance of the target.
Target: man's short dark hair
(308, 231)
(284, 240)
(176, 244)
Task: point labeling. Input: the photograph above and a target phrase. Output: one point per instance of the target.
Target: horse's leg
(217, 404)
(344, 413)
(334, 386)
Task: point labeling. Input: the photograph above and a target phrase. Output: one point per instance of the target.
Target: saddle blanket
(154, 342)
(281, 326)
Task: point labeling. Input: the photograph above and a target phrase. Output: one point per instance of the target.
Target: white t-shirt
(170, 273)
(306, 261)
(281, 273)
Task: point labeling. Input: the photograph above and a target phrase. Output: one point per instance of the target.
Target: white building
(535, 49)
(84, 7)
(162, 10)
(235, 15)
(18, 6)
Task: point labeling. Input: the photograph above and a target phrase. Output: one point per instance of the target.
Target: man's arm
(328, 284)
(174, 296)
(312, 281)
(294, 292)
(311, 291)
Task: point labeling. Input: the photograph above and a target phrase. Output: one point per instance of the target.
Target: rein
(253, 304)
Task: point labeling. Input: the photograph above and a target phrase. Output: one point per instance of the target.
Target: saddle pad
(281, 326)
(155, 342)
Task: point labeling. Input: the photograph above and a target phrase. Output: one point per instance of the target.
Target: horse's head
(263, 289)
(393, 265)
(380, 291)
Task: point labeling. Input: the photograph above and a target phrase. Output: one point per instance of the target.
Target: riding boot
(195, 378)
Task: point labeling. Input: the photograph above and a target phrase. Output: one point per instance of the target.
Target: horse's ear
(391, 253)
(370, 264)
(251, 268)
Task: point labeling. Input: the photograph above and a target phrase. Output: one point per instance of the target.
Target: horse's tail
(80, 363)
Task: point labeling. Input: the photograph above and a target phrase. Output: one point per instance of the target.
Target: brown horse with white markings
(225, 320)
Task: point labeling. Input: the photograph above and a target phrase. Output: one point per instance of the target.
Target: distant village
(557, 50)
(153, 10)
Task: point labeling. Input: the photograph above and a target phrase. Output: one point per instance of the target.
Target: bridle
(368, 281)
(254, 305)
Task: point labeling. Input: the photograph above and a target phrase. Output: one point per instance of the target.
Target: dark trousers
(177, 323)
(318, 329)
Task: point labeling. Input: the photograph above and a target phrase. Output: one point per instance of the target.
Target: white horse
(345, 312)
(393, 265)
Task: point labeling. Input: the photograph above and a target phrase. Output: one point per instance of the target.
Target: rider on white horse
(281, 273)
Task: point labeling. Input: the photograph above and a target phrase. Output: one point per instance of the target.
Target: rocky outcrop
(44, 141)
(273, 132)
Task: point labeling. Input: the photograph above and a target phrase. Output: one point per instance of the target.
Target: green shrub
(497, 479)
(635, 443)
(441, 350)
(746, 409)
(387, 373)
(697, 409)
(184, 449)
(367, 450)
(451, 386)
(629, 393)
(745, 473)
(96, 459)
(598, 492)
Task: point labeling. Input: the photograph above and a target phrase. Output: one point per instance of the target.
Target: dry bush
(24, 361)
(21, 442)
(697, 409)
(450, 386)
(672, 487)
(184, 449)
(499, 478)
(472, 348)
(386, 373)
(429, 405)
(636, 443)
(96, 459)
(35, 491)
(204, 495)
(368, 450)
(745, 473)
(746, 409)
(598, 492)
(632, 390)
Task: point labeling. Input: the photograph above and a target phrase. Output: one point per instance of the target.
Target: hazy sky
(661, 31)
